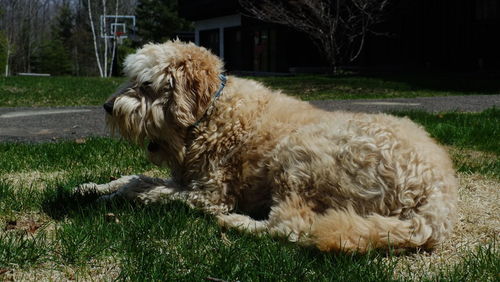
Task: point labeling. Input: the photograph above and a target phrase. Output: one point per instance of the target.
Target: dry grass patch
(485, 163)
(26, 223)
(32, 179)
(106, 269)
(13, 89)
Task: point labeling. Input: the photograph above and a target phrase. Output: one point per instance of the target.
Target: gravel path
(24, 124)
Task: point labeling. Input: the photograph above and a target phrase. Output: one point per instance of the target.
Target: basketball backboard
(117, 26)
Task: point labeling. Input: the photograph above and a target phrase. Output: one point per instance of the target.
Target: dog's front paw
(107, 188)
(86, 188)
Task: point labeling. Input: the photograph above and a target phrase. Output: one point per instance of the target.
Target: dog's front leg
(145, 189)
(107, 188)
(133, 187)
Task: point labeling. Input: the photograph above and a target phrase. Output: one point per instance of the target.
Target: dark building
(418, 34)
(438, 34)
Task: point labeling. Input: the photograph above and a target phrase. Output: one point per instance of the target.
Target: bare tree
(27, 25)
(114, 42)
(337, 27)
(5, 47)
(94, 36)
(24, 25)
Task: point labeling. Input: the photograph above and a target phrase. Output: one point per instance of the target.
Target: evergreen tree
(84, 62)
(158, 20)
(3, 52)
(64, 25)
(52, 58)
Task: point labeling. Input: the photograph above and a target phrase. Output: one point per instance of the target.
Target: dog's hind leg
(291, 218)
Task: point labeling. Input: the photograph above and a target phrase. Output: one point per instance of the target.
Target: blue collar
(223, 80)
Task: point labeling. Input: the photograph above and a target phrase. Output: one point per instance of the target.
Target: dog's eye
(145, 85)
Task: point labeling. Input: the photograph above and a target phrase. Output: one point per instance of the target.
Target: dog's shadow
(62, 203)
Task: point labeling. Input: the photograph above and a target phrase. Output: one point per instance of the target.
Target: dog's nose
(108, 106)
(153, 147)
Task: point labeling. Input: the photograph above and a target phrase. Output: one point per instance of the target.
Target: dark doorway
(233, 48)
(210, 40)
(264, 50)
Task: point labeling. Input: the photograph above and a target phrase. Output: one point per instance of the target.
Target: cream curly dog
(261, 161)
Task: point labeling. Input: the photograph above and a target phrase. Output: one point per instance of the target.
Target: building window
(210, 40)
(487, 10)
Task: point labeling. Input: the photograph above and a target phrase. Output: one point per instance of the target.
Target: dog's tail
(346, 230)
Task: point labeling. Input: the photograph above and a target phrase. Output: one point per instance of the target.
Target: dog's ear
(192, 90)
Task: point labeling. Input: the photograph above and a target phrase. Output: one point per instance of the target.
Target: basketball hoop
(119, 35)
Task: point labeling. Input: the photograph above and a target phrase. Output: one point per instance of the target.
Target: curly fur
(265, 162)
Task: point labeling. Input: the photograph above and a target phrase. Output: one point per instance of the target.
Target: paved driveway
(24, 124)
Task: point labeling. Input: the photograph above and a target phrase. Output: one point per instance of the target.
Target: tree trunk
(7, 60)
(111, 65)
(95, 41)
(105, 39)
(76, 61)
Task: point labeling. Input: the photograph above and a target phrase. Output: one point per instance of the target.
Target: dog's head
(170, 88)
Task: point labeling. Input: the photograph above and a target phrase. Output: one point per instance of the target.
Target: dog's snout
(153, 147)
(108, 106)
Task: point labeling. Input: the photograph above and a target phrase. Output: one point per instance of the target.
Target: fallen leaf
(80, 141)
(111, 217)
(11, 224)
(33, 227)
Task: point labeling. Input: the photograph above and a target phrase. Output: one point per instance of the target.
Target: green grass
(102, 154)
(477, 131)
(320, 87)
(173, 242)
(55, 91)
(77, 91)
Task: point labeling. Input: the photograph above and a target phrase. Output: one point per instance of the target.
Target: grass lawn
(20, 91)
(46, 233)
(76, 91)
(317, 87)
